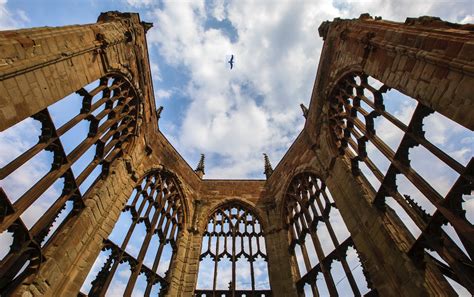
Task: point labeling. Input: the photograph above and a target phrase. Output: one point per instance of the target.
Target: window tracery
(433, 212)
(324, 252)
(153, 215)
(233, 242)
(108, 110)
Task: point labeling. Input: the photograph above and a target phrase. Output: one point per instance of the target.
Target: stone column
(280, 266)
(186, 265)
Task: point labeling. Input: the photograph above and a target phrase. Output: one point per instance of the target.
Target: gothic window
(49, 163)
(136, 257)
(324, 252)
(233, 258)
(416, 164)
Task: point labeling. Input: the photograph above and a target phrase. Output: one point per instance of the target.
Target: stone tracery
(233, 232)
(110, 109)
(355, 105)
(309, 209)
(156, 203)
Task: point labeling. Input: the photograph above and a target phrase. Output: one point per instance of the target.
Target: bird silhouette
(231, 62)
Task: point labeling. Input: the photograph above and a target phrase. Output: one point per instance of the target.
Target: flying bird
(231, 61)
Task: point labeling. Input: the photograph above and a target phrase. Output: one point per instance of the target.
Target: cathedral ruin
(331, 219)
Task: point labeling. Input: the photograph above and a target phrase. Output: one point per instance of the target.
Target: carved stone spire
(158, 115)
(268, 167)
(200, 167)
(305, 110)
(158, 112)
(147, 26)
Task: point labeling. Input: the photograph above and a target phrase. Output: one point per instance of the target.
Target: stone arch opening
(324, 254)
(51, 176)
(154, 215)
(413, 177)
(233, 258)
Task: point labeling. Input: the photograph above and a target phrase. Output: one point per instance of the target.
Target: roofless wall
(347, 211)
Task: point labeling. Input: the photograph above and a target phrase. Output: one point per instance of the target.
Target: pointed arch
(408, 174)
(154, 215)
(319, 241)
(81, 143)
(234, 236)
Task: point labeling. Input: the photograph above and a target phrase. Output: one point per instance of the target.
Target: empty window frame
(108, 109)
(436, 217)
(233, 258)
(323, 250)
(144, 239)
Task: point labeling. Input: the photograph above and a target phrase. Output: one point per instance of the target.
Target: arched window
(141, 248)
(417, 164)
(325, 254)
(49, 162)
(233, 258)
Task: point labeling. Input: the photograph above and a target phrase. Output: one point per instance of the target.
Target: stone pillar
(185, 272)
(186, 266)
(281, 268)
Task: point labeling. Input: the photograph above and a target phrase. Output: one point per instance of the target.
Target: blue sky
(233, 116)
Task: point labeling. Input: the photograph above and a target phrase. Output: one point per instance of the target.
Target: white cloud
(14, 142)
(123, 273)
(7, 21)
(219, 10)
(139, 3)
(6, 239)
(235, 167)
(468, 206)
(155, 71)
(162, 94)
(163, 267)
(116, 289)
(223, 116)
(469, 19)
(23, 16)
(253, 108)
(11, 19)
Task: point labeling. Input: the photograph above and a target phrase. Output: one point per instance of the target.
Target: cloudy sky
(232, 116)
